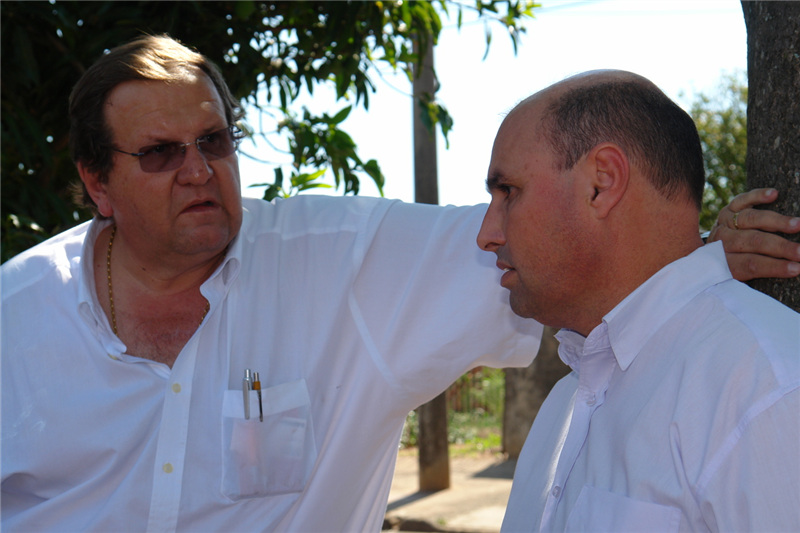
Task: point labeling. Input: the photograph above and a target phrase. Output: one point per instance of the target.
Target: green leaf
(244, 9)
(25, 58)
(302, 179)
(341, 115)
(373, 169)
(272, 192)
(307, 186)
(488, 32)
(445, 122)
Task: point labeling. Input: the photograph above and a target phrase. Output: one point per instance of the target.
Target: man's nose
(492, 235)
(195, 168)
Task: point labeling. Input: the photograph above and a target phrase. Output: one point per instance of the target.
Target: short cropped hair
(150, 57)
(658, 136)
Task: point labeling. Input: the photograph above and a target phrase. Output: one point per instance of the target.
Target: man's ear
(97, 190)
(610, 177)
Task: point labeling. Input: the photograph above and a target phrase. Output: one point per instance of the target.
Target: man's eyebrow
(494, 180)
(162, 138)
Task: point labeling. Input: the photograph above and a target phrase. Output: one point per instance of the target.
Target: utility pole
(434, 461)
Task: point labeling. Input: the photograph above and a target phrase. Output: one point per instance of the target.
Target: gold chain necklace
(111, 290)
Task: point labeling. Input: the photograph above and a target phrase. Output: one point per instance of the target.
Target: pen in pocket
(257, 388)
(246, 393)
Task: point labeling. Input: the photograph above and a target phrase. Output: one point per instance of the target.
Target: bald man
(681, 413)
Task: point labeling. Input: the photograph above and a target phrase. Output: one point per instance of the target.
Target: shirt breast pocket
(272, 457)
(598, 510)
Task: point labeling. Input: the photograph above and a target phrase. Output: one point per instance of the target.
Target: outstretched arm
(752, 251)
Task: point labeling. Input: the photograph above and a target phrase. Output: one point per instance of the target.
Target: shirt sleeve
(755, 483)
(429, 303)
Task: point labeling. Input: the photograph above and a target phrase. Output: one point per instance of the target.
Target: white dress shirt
(682, 413)
(352, 310)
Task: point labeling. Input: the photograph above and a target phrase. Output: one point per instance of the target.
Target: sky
(683, 46)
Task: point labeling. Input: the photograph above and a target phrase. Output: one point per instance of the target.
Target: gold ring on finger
(736, 220)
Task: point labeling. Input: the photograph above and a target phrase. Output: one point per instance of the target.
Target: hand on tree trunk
(753, 251)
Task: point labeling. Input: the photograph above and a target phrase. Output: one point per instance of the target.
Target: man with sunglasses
(190, 360)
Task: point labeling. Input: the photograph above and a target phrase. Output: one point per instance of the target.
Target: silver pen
(246, 393)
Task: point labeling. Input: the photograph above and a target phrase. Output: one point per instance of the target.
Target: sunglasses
(169, 156)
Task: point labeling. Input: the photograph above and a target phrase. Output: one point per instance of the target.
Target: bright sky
(683, 46)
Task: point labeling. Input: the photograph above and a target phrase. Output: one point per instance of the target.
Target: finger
(766, 221)
(752, 198)
(745, 267)
(757, 242)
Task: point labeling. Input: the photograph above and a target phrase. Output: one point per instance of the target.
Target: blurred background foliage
(475, 404)
(275, 48)
(721, 119)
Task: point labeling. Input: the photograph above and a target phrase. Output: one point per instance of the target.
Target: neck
(154, 317)
(634, 252)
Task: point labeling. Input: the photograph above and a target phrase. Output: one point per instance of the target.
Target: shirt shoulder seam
(730, 442)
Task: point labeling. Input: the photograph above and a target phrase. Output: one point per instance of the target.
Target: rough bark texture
(434, 461)
(773, 117)
(526, 389)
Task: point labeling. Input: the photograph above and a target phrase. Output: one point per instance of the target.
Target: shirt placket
(595, 373)
(172, 437)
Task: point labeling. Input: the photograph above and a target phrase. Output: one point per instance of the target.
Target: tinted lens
(162, 157)
(217, 145)
(169, 156)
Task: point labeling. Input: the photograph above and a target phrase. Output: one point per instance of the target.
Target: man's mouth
(200, 206)
(502, 265)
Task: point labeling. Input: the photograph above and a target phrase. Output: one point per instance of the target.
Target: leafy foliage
(481, 391)
(277, 48)
(475, 403)
(721, 121)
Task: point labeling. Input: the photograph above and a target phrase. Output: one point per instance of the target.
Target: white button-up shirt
(353, 311)
(682, 413)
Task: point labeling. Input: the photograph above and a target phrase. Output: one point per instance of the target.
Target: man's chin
(521, 306)
(205, 240)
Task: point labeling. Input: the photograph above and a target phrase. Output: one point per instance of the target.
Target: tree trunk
(526, 389)
(773, 117)
(434, 461)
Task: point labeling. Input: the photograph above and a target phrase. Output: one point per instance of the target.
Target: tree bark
(773, 117)
(434, 460)
(526, 389)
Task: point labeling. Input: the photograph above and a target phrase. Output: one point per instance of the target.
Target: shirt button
(556, 491)
(167, 468)
(176, 388)
(591, 400)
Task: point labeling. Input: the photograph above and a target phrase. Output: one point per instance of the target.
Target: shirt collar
(573, 346)
(228, 270)
(628, 326)
(88, 305)
(215, 287)
(636, 318)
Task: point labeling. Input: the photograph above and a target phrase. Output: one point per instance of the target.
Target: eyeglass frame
(233, 131)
